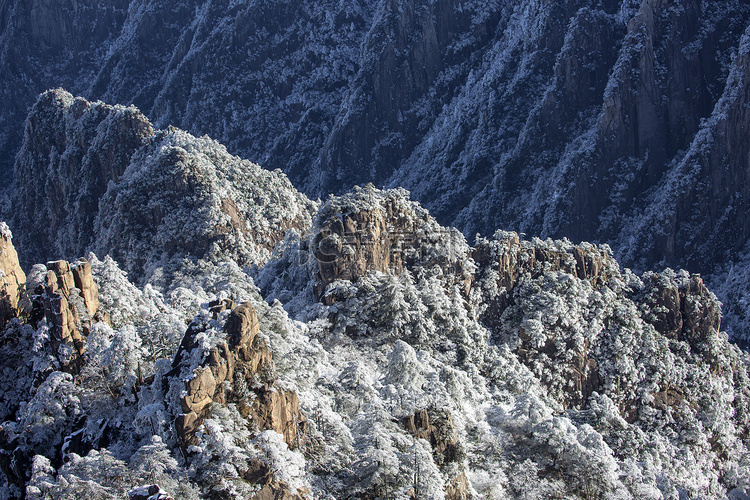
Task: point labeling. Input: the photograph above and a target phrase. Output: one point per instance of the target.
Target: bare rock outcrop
(505, 258)
(12, 279)
(239, 370)
(436, 426)
(68, 299)
(680, 307)
(372, 230)
(259, 473)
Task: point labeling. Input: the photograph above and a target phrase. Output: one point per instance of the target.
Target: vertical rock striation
(12, 279)
(72, 150)
(101, 177)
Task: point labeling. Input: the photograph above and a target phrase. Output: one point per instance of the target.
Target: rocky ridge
(68, 300)
(62, 302)
(111, 157)
(567, 312)
(615, 121)
(421, 363)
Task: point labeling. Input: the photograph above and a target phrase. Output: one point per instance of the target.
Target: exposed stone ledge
(241, 371)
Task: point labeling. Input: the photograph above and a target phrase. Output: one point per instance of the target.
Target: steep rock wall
(72, 150)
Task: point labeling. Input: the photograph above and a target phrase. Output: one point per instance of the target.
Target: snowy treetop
(5, 231)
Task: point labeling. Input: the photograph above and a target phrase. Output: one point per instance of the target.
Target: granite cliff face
(371, 230)
(13, 278)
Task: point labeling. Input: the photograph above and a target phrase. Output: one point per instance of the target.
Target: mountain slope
(99, 177)
(350, 349)
(256, 75)
(514, 369)
(569, 119)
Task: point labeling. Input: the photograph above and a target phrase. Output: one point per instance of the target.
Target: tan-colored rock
(458, 488)
(200, 389)
(371, 230)
(217, 306)
(59, 304)
(186, 425)
(64, 323)
(84, 281)
(259, 473)
(278, 491)
(436, 426)
(278, 410)
(12, 279)
(64, 275)
(347, 247)
(239, 371)
(242, 326)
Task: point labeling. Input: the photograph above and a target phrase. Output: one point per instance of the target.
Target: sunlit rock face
(12, 278)
(240, 371)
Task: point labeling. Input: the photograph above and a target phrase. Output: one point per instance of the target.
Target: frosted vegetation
(669, 418)
(494, 114)
(186, 196)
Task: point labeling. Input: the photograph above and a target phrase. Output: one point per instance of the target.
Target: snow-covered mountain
(99, 177)
(619, 122)
(230, 338)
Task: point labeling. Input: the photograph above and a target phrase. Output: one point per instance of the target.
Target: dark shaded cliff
(257, 76)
